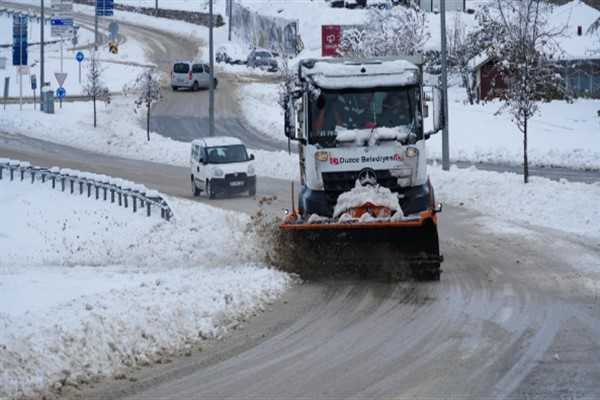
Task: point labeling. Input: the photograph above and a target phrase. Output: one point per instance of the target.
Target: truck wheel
(195, 190)
(174, 88)
(195, 86)
(215, 82)
(252, 191)
(210, 191)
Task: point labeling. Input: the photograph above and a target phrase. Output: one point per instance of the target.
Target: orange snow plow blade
(378, 247)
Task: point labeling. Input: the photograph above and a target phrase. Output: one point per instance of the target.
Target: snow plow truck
(365, 205)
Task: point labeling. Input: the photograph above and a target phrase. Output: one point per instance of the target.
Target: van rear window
(181, 68)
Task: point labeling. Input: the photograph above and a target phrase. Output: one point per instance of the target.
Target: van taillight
(190, 76)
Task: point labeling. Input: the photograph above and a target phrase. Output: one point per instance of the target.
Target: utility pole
(211, 84)
(230, 9)
(96, 26)
(42, 80)
(445, 141)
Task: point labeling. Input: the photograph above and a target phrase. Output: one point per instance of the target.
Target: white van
(221, 164)
(191, 75)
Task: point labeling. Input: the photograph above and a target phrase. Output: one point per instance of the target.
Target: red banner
(330, 40)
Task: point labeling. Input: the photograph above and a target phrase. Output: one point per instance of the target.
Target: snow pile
(361, 195)
(371, 136)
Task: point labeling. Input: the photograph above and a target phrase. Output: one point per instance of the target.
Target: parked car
(191, 75)
(221, 164)
(262, 59)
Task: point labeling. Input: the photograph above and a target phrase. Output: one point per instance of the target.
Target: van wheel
(195, 190)
(174, 88)
(210, 191)
(215, 82)
(252, 191)
(195, 86)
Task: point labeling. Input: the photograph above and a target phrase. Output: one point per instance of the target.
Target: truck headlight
(216, 171)
(250, 169)
(412, 152)
(321, 156)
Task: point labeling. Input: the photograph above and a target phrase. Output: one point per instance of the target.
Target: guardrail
(102, 187)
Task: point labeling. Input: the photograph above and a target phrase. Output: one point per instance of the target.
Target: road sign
(23, 69)
(20, 39)
(79, 56)
(113, 47)
(60, 77)
(61, 23)
(105, 7)
(61, 92)
(33, 82)
(113, 28)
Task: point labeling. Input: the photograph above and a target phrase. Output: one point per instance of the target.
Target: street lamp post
(211, 87)
(42, 80)
(445, 141)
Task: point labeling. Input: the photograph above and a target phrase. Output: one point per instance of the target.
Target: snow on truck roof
(217, 141)
(333, 74)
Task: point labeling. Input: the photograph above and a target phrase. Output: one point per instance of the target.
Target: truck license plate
(236, 183)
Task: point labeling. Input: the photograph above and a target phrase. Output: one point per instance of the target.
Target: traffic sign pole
(79, 58)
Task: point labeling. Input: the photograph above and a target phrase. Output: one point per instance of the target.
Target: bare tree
(399, 30)
(147, 85)
(94, 85)
(461, 50)
(524, 46)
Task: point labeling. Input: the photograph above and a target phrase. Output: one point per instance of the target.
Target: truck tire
(215, 82)
(195, 190)
(252, 191)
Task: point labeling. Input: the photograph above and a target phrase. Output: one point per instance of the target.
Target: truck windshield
(226, 154)
(335, 111)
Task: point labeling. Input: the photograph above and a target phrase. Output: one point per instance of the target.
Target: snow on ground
(88, 288)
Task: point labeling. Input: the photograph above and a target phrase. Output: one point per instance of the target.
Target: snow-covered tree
(399, 30)
(147, 86)
(594, 31)
(94, 85)
(461, 50)
(352, 43)
(519, 38)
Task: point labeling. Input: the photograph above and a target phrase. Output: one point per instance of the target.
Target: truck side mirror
(251, 157)
(290, 121)
(439, 119)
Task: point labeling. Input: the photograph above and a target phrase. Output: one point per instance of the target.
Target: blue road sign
(20, 39)
(105, 7)
(33, 82)
(61, 92)
(79, 56)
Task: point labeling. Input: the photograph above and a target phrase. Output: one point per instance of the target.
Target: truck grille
(340, 182)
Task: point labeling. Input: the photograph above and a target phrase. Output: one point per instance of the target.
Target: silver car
(262, 59)
(191, 75)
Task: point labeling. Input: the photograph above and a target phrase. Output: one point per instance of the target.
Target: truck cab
(360, 120)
